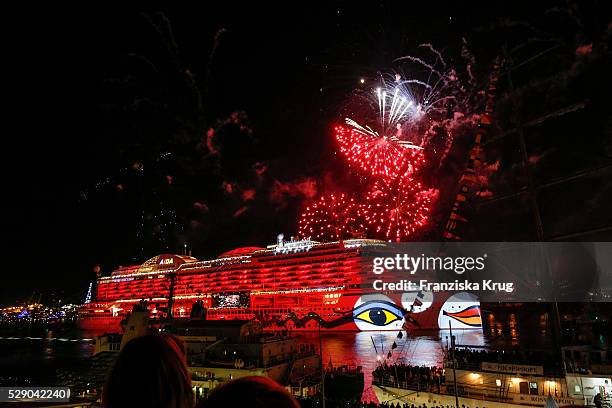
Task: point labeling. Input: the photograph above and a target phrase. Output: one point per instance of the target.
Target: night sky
(130, 135)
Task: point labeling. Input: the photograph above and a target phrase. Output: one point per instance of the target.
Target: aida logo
(166, 261)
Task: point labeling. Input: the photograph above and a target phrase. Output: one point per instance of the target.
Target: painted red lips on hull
(469, 316)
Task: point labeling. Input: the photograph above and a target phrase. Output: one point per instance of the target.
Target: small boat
(343, 383)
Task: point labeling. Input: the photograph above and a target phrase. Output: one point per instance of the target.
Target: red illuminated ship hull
(301, 286)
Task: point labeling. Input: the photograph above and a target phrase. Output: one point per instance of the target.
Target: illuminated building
(293, 285)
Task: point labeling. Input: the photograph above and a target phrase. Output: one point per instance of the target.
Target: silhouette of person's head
(150, 372)
(252, 392)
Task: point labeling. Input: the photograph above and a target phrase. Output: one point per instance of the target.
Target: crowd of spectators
(409, 376)
(315, 403)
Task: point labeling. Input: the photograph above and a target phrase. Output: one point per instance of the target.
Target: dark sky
(108, 157)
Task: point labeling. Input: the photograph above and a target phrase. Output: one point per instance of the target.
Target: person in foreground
(252, 392)
(150, 372)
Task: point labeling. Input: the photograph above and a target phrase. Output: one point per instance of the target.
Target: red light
(331, 217)
(378, 156)
(395, 209)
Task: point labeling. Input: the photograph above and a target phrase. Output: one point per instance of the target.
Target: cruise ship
(293, 285)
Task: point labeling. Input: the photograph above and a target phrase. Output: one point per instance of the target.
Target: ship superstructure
(291, 285)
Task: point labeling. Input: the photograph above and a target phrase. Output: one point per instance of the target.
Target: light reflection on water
(33, 360)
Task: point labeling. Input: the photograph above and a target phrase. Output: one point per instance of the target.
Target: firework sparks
(377, 155)
(440, 92)
(396, 105)
(405, 103)
(331, 217)
(395, 209)
(403, 121)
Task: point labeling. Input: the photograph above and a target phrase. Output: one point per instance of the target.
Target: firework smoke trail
(440, 83)
(211, 58)
(421, 62)
(433, 50)
(443, 100)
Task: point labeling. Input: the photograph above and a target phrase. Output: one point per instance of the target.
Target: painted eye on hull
(378, 317)
(378, 313)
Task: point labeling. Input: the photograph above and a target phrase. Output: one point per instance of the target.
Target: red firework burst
(331, 217)
(382, 156)
(394, 209)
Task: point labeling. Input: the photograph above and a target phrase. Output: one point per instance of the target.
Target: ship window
(498, 382)
(524, 387)
(576, 388)
(533, 388)
(596, 358)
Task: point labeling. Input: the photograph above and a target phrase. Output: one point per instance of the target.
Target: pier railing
(480, 392)
(476, 366)
(407, 385)
(488, 393)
